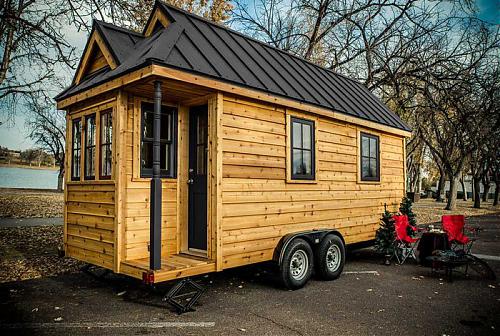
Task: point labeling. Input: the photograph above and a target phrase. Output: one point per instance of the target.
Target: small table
(447, 263)
(430, 242)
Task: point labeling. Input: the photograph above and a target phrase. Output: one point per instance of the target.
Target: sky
(489, 10)
(14, 135)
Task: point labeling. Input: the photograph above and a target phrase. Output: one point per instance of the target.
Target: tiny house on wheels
(193, 148)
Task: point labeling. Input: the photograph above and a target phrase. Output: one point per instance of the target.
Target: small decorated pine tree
(384, 237)
(405, 208)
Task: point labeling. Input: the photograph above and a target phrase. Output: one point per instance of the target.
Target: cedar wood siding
(90, 205)
(90, 213)
(260, 206)
(137, 196)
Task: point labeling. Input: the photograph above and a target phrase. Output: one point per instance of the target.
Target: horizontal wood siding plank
(260, 207)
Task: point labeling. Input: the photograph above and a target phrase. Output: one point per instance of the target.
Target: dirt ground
(27, 203)
(368, 299)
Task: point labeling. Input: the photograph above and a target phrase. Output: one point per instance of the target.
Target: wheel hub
(333, 258)
(299, 265)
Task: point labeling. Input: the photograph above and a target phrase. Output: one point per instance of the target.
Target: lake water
(13, 177)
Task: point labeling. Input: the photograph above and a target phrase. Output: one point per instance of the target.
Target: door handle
(190, 181)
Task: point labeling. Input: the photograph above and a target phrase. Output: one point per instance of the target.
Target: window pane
(106, 160)
(307, 162)
(76, 134)
(76, 164)
(147, 155)
(164, 155)
(296, 135)
(90, 136)
(306, 136)
(89, 162)
(365, 146)
(167, 135)
(106, 128)
(373, 168)
(165, 127)
(297, 166)
(201, 130)
(148, 125)
(373, 148)
(365, 167)
(201, 160)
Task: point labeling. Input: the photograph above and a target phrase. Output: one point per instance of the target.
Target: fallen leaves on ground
(30, 204)
(31, 252)
(429, 211)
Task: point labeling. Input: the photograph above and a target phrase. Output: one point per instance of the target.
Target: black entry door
(198, 139)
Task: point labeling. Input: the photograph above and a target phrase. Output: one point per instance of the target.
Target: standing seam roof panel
(211, 53)
(292, 76)
(245, 65)
(266, 67)
(361, 104)
(191, 53)
(317, 85)
(194, 44)
(340, 102)
(350, 104)
(322, 100)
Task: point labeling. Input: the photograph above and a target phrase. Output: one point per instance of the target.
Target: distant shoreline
(29, 190)
(15, 165)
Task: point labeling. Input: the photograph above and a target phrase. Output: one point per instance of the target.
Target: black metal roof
(196, 45)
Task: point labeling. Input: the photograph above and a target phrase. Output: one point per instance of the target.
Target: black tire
(330, 247)
(290, 265)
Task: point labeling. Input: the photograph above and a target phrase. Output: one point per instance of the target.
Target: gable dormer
(158, 20)
(96, 56)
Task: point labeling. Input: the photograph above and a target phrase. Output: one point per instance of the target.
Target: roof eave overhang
(152, 69)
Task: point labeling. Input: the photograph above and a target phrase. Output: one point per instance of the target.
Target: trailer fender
(313, 237)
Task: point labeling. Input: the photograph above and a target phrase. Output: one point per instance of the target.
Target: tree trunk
(497, 192)
(60, 178)
(464, 189)
(442, 180)
(486, 188)
(477, 193)
(473, 196)
(452, 199)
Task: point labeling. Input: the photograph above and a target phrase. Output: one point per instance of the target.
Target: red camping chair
(454, 226)
(404, 244)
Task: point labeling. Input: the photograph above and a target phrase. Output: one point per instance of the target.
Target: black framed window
(106, 141)
(370, 157)
(90, 147)
(302, 147)
(76, 149)
(168, 136)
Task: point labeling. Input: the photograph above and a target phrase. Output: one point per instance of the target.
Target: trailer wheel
(330, 257)
(297, 264)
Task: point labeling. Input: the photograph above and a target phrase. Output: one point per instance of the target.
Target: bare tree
(134, 14)
(48, 129)
(33, 47)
